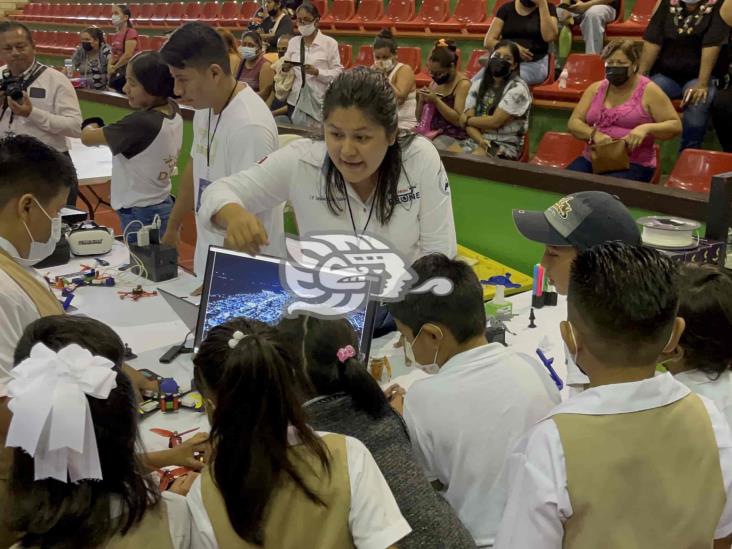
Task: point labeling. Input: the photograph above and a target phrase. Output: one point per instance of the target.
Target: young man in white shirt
(636, 460)
(232, 130)
(49, 109)
(482, 398)
(575, 223)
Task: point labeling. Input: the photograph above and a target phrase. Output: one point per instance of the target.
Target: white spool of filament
(669, 232)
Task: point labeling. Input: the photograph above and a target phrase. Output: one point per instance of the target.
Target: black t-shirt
(285, 27)
(680, 55)
(134, 133)
(525, 30)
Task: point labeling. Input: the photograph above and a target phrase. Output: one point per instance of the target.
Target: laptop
(187, 311)
(237, 284)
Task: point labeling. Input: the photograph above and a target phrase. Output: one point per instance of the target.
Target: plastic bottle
(68, 68)
(563, 76)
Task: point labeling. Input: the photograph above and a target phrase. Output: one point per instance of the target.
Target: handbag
(611, 156)
(307, 111)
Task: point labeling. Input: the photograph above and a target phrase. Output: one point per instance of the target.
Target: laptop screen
(240, 285)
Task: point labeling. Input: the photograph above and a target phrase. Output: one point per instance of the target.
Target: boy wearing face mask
(637, 460)
(482, 397)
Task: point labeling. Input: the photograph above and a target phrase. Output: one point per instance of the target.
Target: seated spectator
(255, 70)
(319, 64)
(703, 359)
(275, 24)
(496, 118)
(440, 105)
(481, 398)
(232, 48)
(91, 57)
(628, 106)
(401, 77)
(277, 100)
(532, 26)
(592, 16)
(345, 399)
(680, 51)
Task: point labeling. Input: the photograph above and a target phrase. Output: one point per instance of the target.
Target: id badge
(202, 185)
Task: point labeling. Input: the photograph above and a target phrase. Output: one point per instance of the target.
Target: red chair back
(411, 56)
(365, 57)
(322, 6)
(248, 9)
(346, 53)
(400, 10)
(557, 150)
(434, 11)
(584, 69)
(642, 11)
(474, 66)
(370, 10)
(342, 10)
(192, 12)
(694, 169)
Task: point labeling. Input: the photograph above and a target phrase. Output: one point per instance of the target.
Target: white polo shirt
(56, 113)
(717, 390)
(464, 420)
(323, 55)
(422, 221)
(539, 504)
(246, 133)
(374, 518)
(17, 310)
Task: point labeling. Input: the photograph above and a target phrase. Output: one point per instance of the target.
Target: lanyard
(350, 213)
(209, 136)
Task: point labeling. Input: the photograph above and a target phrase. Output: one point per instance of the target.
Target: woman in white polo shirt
(364, 177)
(145, 144)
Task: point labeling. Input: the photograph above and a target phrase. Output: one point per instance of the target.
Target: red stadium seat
(694, 169)
(525, 149)
(397, 11)
(53, 12)
(346, 52)
(656, 179)
(28, 14)
(473, 67)
(160, 13)
(211, 13)
(583, 69)
(144, 14)
(411, 56)
(73, 13)
(59, 14)
(322, 6)
(368, 10)
(341, 11)
(229, 14)
(192, 12)
(105, 15)
(156, 42)
(175, 14)
(480, 26)
(466, 12)
(557, 150)
(432, 11)
(248, 9)
(365, 57)
(143, 42)
(636, 24)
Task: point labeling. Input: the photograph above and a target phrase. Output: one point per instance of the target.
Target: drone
(174, 437)
(169, 476)
(136, 293)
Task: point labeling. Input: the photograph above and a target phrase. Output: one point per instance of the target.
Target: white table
(93, 167)
(150, 327)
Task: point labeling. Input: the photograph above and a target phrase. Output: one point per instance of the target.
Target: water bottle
(68, 68)
(563, 76)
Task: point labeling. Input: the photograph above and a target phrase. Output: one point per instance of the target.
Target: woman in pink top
(255, 70)
(624, 106)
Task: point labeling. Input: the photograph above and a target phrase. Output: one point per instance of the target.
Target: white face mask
(248, 52)
(116, 20)
(307, 30)
(41, 250)
(431, 368)
(384, 64)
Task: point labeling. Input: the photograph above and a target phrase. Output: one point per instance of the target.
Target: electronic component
(159, 261)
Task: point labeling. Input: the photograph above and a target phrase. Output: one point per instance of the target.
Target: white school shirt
(539, 504)
(17, 310)
(179, 520)
(422, 221)
(323, 55)
(56, 113)
(145, 145)
(717, 390)
(246, 133)
(464, 420)
(374, 518)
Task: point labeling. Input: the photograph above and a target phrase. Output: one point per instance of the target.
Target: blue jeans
(145, 214)
(696, 117)
(636, 172)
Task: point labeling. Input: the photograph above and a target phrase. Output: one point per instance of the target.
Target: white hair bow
(51, 417)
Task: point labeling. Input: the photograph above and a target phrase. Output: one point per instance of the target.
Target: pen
(547, 362)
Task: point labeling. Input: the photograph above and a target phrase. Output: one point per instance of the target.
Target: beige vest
(43, 299)
(642, 480)
(292, 521)
(152, 531)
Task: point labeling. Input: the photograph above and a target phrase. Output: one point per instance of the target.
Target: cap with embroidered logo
(581, 220)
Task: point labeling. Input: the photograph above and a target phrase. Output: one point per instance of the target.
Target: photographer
(35, 100)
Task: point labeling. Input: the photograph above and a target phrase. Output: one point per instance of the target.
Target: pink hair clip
(345, 353)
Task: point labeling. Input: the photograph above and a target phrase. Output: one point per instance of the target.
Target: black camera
(12, 86)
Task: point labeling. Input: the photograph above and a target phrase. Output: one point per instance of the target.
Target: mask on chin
(431, 368)
(41, 250)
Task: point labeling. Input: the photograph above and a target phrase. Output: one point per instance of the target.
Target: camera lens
(15, 93)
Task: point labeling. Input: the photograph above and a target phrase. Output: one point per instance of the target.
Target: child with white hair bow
(76, 480)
